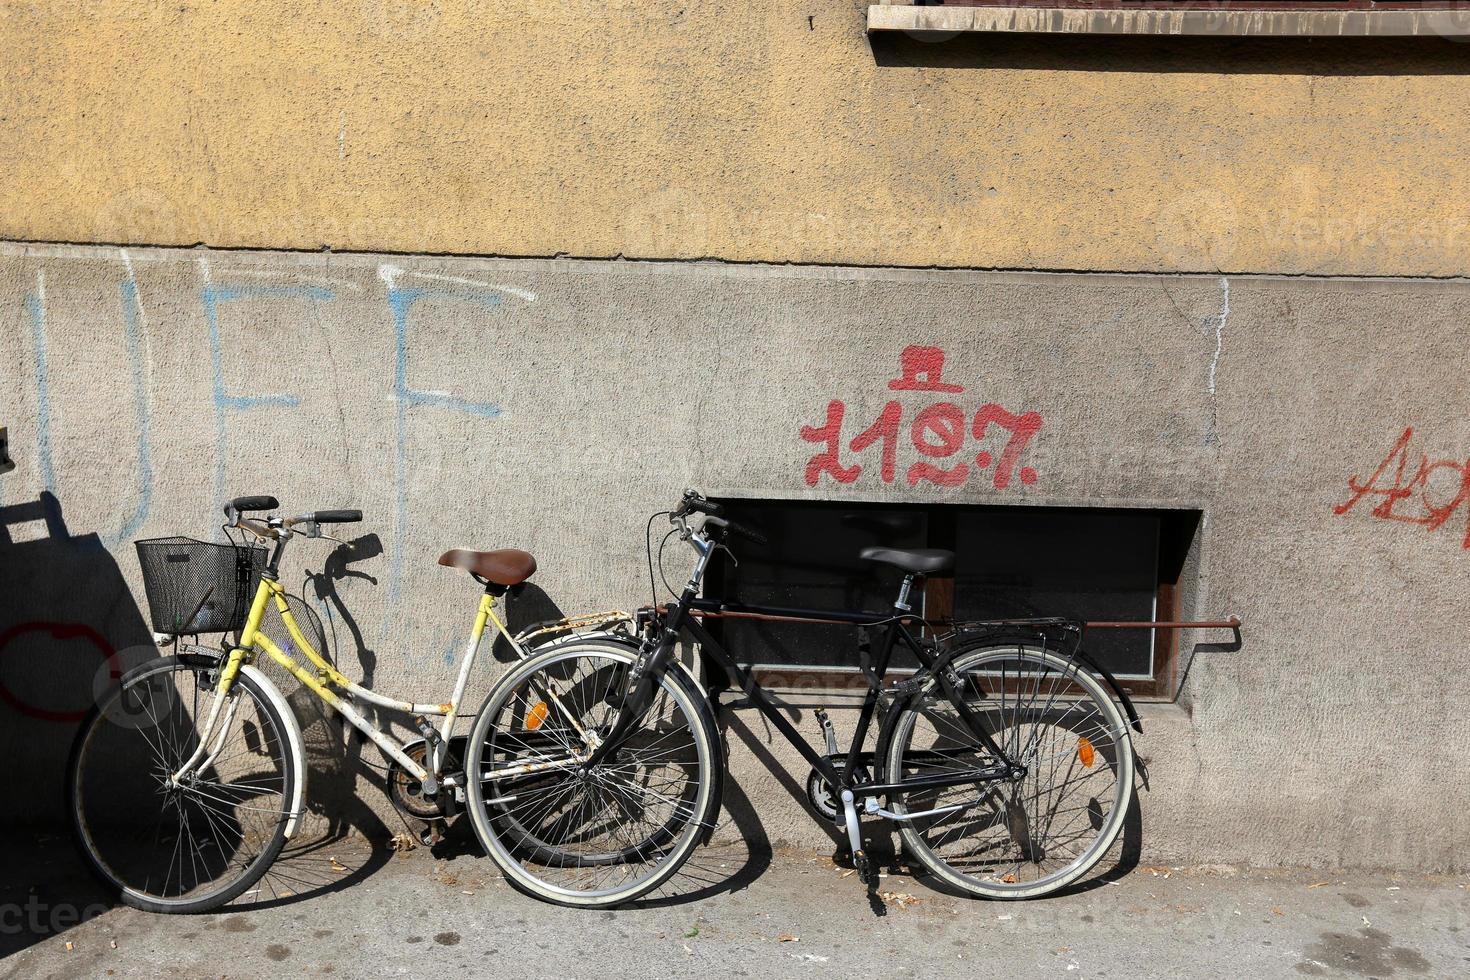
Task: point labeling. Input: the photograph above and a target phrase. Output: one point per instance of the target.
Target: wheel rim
(606, 833)
(1038, 832)
(193, 843)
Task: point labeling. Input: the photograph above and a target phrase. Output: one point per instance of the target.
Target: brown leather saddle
(508, 566)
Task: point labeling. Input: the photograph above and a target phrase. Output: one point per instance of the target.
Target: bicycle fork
(204, 753)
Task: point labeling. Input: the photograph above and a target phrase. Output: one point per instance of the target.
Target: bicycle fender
(632, 644)
(294, 743)
(1082, 657)
(1134, 721)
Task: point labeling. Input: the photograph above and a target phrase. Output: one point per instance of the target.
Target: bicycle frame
(847, 778)
(658, 651)
(336, 689)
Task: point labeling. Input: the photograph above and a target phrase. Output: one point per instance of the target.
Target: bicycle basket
(198, 587)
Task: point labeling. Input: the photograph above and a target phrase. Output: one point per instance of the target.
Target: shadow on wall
(68, 627)
(1318, 56)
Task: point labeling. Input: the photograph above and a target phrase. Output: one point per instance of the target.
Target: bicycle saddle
(508, 566)
(918, 561)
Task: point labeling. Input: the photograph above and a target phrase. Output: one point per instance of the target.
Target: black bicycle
(1004, 760)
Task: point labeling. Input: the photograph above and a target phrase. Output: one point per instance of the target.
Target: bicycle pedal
(864, 868)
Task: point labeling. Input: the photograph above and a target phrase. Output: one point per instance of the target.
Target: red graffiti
(827, 461)
(937, 432)
(1407, 498)
(59, 632)
(926, 361)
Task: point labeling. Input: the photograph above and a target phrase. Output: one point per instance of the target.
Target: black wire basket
(198, 587)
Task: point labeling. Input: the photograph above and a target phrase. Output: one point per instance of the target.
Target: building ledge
(1185, 21)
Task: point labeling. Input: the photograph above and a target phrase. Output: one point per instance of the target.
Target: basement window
(1089, 564)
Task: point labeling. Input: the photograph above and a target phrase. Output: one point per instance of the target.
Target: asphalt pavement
(346, 909)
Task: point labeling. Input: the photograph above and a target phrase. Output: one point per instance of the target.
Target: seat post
(903, 594)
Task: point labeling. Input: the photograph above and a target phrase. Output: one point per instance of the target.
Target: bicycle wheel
(596, 837)
(194, 846)
(1033, 836)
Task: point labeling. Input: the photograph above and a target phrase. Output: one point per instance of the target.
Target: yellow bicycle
(189, 776)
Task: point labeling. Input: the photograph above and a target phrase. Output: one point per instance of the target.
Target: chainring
(821, 795)
(405, 792)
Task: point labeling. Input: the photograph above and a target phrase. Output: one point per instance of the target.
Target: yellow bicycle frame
(339, 691)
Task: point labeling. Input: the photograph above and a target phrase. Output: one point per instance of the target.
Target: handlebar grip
(701, 506)
(337, 516)
(258, 502)
(747, 533)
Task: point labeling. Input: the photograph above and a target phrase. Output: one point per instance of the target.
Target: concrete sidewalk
(347, 910)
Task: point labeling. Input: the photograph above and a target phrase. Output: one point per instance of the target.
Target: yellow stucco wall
(767, 131)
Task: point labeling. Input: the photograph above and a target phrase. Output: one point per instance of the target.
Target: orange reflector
(537, 715)
(1085, 752)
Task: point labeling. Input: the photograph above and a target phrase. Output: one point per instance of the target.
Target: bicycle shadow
(69, 628)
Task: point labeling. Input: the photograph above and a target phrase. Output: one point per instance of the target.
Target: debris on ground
(403, 842)
(900, 899)
(787, 937)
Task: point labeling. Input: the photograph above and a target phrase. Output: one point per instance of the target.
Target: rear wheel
(193, 846)
(599, 836)
(1034, 835)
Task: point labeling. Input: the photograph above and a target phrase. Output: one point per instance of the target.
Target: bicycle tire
(1102, 736)
(89, 759)
(513, 846)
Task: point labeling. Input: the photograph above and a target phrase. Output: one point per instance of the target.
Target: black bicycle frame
(678, 619)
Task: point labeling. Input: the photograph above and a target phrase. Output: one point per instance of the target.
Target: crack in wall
(718, 261)
(1221, 319)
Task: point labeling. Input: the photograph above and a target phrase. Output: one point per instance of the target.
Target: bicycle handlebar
(750, 534)
(337, 516)
(694, 502)
(258, 502)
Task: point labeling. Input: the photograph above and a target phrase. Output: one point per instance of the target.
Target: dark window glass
(1011, 562)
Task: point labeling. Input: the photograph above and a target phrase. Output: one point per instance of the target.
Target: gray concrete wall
(552, 405)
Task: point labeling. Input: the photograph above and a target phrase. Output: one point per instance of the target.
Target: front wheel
(598, 836)
(192, 845)
(1022, 838)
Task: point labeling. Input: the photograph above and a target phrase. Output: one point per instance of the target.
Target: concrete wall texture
(766, 132)
(553, 404)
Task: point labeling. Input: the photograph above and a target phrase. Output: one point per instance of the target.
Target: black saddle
(917, 561)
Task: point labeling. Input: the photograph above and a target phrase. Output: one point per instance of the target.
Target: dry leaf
(337, 865)
(1320, 884)
(1277, 911)
(69, 947)
(403, 842)
(1009, 879)
(902, 899)
(786, 937)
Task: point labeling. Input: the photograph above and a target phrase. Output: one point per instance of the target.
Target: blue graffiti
(400, 301)
(132, 324)
(37, 310)
(225, 401)
(132, 335)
